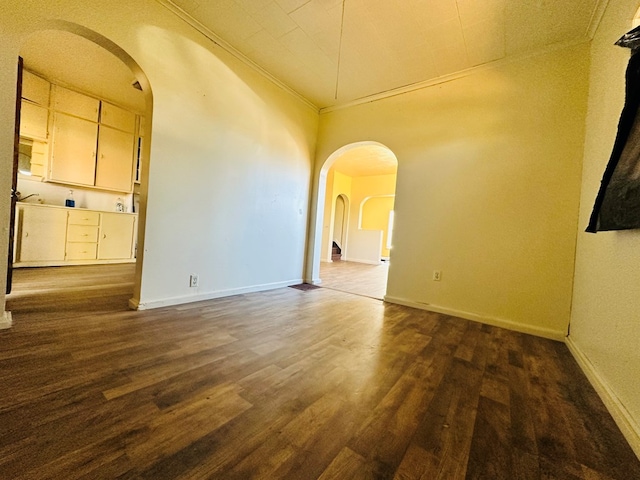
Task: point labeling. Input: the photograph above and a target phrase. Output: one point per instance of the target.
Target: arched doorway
(340, 224)
(79, 64)
(356, 173)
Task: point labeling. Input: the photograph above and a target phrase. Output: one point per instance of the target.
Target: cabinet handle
(104, 236)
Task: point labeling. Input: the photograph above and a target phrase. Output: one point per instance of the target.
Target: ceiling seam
(216, 40)
(596, 17)
(452, 76)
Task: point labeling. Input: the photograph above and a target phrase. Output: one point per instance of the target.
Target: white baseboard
(5, 320)
(496, 322)
(626, 423)
(136, 304)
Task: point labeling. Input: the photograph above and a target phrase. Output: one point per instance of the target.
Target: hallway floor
(356, 278)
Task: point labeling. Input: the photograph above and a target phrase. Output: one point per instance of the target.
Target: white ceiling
(336, 51)
(366, 160)
(68, 59)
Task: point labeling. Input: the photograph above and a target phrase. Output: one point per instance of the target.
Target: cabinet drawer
(82, 251)
(82, 233)
(79, 217)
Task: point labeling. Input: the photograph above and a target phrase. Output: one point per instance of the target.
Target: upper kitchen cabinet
(73, 152)
(34, 110)
(114, 167)
(93, 142)
(35, 89)
(34, 121)
(76, 104)
(117, 117)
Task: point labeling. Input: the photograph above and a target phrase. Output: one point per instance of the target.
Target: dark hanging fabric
(617, 205)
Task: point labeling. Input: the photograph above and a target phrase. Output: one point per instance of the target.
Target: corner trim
(596, 17)
(628, 426)
(6, 321)
(136, 304)
(496, 322)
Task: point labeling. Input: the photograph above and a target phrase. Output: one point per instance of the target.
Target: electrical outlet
(437, 275)
(194, 280)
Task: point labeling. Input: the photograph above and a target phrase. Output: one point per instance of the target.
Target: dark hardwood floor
(284, 384)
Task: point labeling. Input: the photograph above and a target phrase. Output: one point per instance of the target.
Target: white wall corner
(5, 320)
(626, 423)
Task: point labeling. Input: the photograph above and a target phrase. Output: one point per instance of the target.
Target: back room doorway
(358, 219)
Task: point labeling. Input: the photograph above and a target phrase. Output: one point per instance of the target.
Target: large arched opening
(363, 176)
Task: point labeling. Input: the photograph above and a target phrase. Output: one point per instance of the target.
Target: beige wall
(605, 322)
(489, 170)
(375, 216)
(222, 135)
(363, 239)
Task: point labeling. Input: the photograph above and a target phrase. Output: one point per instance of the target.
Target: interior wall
(363, 238)
(375, 216)
(605, 322)
(489, 169)
(222, 135)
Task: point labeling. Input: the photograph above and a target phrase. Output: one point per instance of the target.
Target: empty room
(187, 181)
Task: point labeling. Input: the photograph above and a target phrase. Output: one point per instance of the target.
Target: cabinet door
(42, 234)
(33, 121)
(116, 239)
(35, 89)
(117, 117)
(114, 168)
(73, 158)
(76, 104)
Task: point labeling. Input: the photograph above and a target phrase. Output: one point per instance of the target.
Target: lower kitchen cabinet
(116, 236)
(40, 234)
(55, 236)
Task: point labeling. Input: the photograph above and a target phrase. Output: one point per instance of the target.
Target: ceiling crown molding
(213, 37)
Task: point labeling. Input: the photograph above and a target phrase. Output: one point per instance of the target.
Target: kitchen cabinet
(40, 234)
(117, 234)
(33, 121)
(76, 104)
(73, 156)
(114, 167)
(49, 235)
(93, 142)
(117, 117)
(35, 89)
(82, 235)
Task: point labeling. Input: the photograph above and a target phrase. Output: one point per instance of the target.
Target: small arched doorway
(340, 223)
(353, 174)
